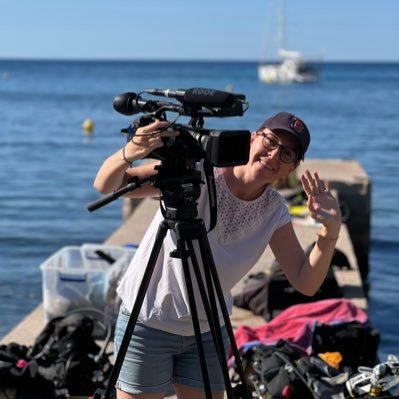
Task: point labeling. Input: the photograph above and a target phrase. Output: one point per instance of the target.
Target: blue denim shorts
(155, 359)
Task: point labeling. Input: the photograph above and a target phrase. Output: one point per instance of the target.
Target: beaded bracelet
(327, 238)
(130, 163)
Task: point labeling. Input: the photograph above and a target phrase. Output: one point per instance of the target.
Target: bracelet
(130, 163)
(327, 238)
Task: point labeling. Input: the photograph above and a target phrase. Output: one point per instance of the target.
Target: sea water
(47, 163)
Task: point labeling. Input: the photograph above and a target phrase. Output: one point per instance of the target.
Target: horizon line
(272, 61)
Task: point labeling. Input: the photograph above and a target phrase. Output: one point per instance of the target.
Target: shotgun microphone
(197, 96)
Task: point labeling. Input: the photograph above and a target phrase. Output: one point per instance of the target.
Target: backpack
(18, 378)
(285, 371)
(64, 360)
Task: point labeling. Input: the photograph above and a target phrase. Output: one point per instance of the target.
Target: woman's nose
(274, 153)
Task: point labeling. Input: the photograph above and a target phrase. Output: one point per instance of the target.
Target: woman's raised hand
(322, 205)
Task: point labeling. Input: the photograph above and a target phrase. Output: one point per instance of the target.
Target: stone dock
(348, 180)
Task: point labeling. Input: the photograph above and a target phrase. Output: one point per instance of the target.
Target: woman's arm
(115, 172)
(306, 274)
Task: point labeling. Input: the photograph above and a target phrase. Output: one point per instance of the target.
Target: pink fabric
(295, 324)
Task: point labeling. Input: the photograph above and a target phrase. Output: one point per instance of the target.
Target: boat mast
(281, 36)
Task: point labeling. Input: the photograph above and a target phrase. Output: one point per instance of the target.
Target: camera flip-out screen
(228, 148)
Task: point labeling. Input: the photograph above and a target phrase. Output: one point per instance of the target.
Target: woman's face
(273, 155)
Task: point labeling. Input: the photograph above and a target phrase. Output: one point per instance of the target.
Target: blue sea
(47, 164)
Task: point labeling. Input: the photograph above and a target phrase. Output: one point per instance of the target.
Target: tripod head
(179, 184)
(180, 189)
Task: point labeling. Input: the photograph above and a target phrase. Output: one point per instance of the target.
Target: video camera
(177, 177)
(217, 147)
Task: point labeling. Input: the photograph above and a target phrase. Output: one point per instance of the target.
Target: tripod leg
(161, 233)
(189, 232)
(194, 314)
(212, 275)
(211, 310)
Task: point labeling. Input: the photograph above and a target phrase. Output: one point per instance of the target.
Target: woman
(251, 215)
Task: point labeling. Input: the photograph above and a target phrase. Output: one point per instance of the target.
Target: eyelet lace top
(242, 232)
(235, 217)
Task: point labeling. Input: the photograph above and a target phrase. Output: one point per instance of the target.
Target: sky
(337, 30)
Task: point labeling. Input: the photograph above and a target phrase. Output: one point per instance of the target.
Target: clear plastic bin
(79, 277)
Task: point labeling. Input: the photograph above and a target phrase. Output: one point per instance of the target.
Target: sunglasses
(271, 142)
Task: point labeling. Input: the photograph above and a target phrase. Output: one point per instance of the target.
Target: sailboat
(292, 67)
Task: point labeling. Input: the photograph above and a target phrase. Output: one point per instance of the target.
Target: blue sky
(338, 30)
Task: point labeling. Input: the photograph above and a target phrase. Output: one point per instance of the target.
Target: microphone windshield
(126, 104)
(208, 97)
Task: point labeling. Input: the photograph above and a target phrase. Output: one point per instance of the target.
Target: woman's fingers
(156, 125)
(312, 185)
(156, 129)
(308, 183)
(319, 184)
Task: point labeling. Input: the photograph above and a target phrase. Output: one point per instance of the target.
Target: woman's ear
(294, 166)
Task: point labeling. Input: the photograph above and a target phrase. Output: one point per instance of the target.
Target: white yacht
(292, 67)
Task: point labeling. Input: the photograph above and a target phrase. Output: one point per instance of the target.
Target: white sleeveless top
(242, 232)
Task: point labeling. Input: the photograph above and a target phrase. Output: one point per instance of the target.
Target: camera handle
(186, 231)
(133, 184)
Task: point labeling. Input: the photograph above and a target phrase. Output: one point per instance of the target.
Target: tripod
(180, 216)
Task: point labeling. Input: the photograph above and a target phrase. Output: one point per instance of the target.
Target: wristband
(130, 163)
(327, 238)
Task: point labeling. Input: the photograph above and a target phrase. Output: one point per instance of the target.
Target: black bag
(284, 370)
(64, 360)
(324, 381)
(19, 378)
(268, 294)
(281, 294)
(357, 342)
(254, 294)
(270, 369)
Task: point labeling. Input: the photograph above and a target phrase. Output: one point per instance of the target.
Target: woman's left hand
(322, 205)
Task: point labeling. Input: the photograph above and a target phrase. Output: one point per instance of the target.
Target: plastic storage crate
(83, 276)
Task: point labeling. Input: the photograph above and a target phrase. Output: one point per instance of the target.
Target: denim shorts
(155, 359)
